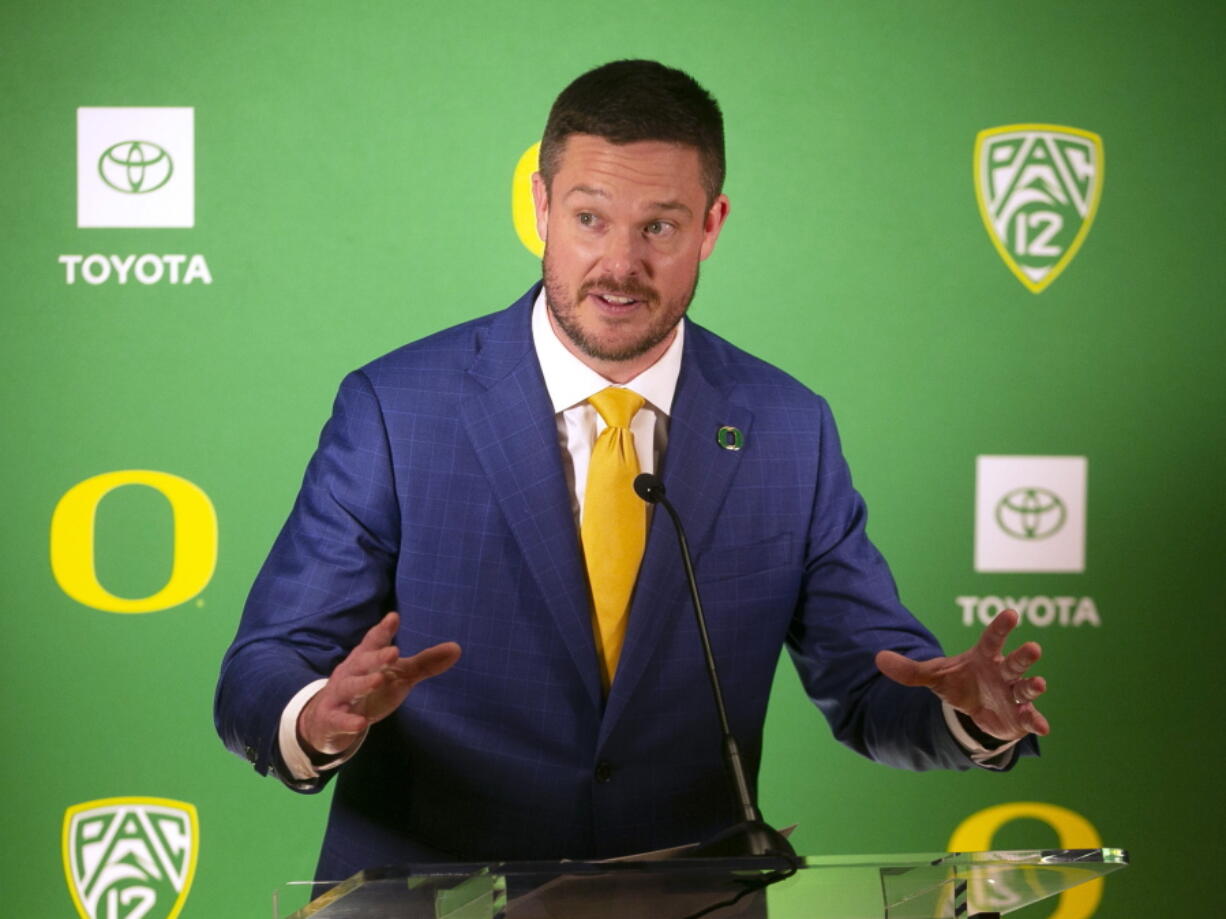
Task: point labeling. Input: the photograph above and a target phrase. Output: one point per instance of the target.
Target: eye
(658, 228)
(587, 219)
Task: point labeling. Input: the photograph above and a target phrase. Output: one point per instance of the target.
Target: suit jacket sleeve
(326, 581)
(850, 610)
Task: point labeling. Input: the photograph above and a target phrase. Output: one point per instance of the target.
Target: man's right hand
(367, 686)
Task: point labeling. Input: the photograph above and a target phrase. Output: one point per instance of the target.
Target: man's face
(625, 227)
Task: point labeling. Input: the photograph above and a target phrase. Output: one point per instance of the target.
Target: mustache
(627, 288)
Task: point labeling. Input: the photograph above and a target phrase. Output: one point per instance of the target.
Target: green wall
(353, 168)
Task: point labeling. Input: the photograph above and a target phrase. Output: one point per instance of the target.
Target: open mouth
(617, 300)
(614, 300)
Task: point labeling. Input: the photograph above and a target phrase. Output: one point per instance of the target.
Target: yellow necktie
(614, 527)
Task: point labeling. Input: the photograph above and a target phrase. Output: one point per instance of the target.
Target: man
(456, 483)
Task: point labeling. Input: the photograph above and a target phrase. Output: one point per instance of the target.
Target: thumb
(901, 669)
(425, 664)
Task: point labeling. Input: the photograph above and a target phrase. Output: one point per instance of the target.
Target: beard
(566, 313)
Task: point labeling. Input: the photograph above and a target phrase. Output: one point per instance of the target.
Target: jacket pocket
(724, 563)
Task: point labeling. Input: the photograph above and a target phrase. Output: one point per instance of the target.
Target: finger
(903, 670)
(1029, 690)
(992, 641)
(321, 725)
(425, 664)
(350, 690)
(361, 663)
(1034, 721)
(1019, 661)
(380, 634)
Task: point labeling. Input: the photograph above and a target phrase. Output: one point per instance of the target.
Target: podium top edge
(1001, 858)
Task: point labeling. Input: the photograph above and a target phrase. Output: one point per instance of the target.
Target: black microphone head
(648, 487)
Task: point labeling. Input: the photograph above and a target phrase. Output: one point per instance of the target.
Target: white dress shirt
(570, 382)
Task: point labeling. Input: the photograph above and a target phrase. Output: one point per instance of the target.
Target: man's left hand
(984, 683)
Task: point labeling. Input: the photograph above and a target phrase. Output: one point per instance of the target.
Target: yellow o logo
(974, 834)
(72, 541)
(523, 213)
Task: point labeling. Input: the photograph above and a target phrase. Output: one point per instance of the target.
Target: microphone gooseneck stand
(751, 835)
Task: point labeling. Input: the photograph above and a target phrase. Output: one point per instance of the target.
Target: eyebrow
(587, 190)
(655, 205)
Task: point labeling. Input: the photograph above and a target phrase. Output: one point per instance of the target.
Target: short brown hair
(635, 100)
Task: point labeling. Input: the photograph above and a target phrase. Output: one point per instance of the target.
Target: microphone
(751, 835)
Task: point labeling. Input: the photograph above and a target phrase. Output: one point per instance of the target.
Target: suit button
(604, 772)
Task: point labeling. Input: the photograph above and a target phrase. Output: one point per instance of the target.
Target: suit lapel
(697, 474)
(511, 426)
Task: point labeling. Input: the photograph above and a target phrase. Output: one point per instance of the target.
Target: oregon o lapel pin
(730, 438)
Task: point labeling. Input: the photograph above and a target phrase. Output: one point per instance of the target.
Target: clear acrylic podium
(829, 887)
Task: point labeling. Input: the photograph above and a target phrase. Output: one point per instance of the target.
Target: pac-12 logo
(130, 858)
(1038, 188)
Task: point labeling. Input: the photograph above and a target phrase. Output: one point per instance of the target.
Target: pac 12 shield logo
(1038, 187)
(130, 858)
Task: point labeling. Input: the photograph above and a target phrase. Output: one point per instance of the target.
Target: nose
(624, 253)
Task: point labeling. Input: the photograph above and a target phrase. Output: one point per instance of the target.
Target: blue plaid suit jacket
(437, 490)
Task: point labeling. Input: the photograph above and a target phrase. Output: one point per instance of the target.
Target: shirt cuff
(995, 757)
(295, 758)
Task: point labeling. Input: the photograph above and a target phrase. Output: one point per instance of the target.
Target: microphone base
(749, 837)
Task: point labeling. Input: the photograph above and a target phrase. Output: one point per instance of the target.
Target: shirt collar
(570, 381)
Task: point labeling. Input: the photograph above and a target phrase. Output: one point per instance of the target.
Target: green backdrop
(353, 169)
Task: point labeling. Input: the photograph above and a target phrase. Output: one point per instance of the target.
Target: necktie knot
(617, 406)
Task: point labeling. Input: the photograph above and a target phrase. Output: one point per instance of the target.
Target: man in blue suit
(450, 485)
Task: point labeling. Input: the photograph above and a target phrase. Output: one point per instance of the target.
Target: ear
(540, 204)
(713, 222)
